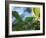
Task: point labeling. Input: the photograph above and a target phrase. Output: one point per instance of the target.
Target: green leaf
(36, 12)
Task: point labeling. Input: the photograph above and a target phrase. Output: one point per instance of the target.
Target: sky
(21, 12)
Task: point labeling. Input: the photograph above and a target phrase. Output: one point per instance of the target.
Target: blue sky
(21, 12)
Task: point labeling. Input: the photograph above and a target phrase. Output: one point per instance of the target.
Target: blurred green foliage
(29, 24)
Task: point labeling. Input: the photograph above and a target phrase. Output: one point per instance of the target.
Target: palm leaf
(36, 12)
